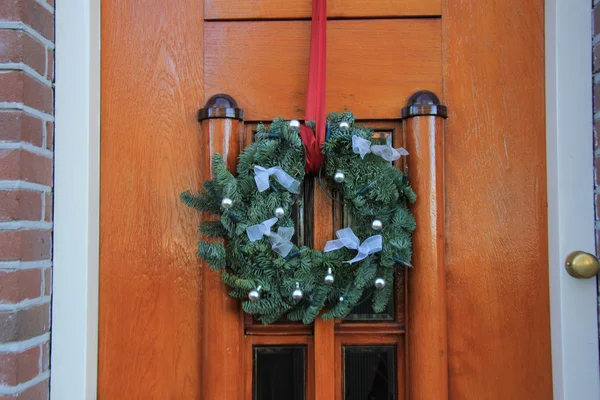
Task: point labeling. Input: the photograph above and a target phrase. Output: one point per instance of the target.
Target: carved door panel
(168, 329)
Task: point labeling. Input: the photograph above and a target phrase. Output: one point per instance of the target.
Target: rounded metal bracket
(221, 106)
(424, 102)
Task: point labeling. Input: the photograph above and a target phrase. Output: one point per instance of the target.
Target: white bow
(347, 238)
(262, 179)
(363, 147)
(280, 241)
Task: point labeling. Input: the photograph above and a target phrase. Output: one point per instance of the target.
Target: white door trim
(76, 201)
(569, 121)
(77, 197)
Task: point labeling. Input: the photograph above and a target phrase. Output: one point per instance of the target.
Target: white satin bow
(262, 179)
(280, 241)
(347, 238)
(363, 147)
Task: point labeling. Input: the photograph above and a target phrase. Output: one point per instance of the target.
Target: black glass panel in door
(369, 373)
(279, 373)
(363, 311)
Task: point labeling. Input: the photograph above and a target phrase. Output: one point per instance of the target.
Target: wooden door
(167, 328)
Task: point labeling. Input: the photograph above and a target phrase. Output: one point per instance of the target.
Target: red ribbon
(315, 98)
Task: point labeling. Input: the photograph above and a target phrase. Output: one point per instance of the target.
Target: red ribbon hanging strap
(315, 98)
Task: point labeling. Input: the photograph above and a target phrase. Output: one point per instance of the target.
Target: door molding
(77, 196)
(77, 190)
(569, 121)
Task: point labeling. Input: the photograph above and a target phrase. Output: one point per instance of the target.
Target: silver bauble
(279, 212)
(344, 125)
(339, 176)
(341, 298)
(329, 279)
(377, 225)
(254, 295)
(297, 294)
(226, 202)
(295, 123)
(379, 283)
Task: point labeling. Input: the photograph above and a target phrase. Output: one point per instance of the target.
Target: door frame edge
(569, 157)
(74, 340)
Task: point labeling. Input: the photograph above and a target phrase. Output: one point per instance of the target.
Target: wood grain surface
(294, 9)
(427, 302)
(496, 224)
(222, 319)
(373, 66)
(150, 278)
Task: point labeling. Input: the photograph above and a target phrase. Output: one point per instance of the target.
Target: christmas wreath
(258, 259)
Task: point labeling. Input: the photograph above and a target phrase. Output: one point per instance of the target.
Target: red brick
(597, 171)
(50, 65)
(31, 13)
(51, 2)
(596, 135)
(596, 97)
(20, 205)
(596, 21)
(18, 46)
(45, 356)
(47, 281)
(48, 207)
(22, 165)
(50, 135)
(25, 245)
(596, 58)
(18, 87)
(16, 126)
(17, 368)
(19, 285)
(39, 391)
(24, 323)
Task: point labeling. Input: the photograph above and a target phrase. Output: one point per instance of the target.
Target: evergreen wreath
(258, 260)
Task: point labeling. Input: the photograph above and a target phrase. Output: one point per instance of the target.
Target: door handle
(582, 265)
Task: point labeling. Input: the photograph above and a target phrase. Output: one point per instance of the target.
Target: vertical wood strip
(324, 330)
(150, 316)
(222, 355)
(427, 327)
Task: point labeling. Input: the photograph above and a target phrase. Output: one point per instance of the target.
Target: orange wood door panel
(297, 9)
(497, 258)
(150, 280)
(373, 66)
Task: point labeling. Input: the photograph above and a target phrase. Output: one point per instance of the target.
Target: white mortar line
(18, 25)
(27, 147)
(22, 265)
(9, 390)
(28, 303)
(17, 347)
(25, 225)
(12, 106)
(21, 66)
(45, 5)
(23, 185)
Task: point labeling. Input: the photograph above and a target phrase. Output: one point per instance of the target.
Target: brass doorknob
(582, 265)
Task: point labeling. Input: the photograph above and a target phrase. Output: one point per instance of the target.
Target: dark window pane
(279, 372)
(369, 373)
(363, 311)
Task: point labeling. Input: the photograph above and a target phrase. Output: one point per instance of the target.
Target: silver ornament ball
(379, 283)
(339, 176)
(329, 279)
(297, 294)
(279, 212)
(341, 298)
(226, 202)
(254, 295)
(295, 123)
(377, 225)
(344, 125)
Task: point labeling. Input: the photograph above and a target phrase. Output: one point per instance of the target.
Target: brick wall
(26, 166)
